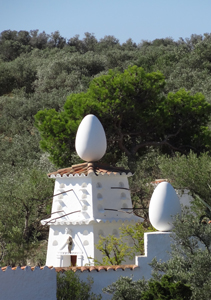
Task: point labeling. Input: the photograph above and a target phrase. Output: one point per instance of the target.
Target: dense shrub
(70, 287)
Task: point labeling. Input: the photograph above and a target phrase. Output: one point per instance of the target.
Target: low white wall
(157, 244)
(41, 284)
(27, 284)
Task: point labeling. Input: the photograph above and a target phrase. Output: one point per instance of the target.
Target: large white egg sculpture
(90, 143)
(164, 205)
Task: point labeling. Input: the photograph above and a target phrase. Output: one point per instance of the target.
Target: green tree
(25, 200)
(116, 250)
(71, 72)
(141, 187)
(12, 45)
(190, 257)
(113, 249)
(70, 287)
(126, 289)
(38, 40)
(56, 40)
(167, 289)
(130, 106)
(192, 173)
(190, 260)
(18, 74)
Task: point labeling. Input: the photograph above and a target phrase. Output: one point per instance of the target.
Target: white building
(90, 200)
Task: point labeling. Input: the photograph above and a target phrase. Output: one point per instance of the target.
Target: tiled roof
(97, 268)
(88, 169)
(81, 269)
(25, 267)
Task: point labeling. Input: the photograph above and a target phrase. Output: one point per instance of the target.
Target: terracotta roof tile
(88, 168)
(82, 269)
(24, 267)
(97, 268)
(157, 181)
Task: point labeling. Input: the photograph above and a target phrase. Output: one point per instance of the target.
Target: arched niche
(123, 196)
(84, 196)
(99, 185)
(58, 207)
(55, 243)
(121, 184)
(100, 233)
(84, 208)
(100, 208)
(99, 197)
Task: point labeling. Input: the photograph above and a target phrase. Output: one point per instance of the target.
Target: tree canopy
(165, 289)
(135, 114)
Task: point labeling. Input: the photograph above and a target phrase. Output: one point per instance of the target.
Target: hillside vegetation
(40, 72)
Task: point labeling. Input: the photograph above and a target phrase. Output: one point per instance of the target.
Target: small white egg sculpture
(90, 143)
(164, 205)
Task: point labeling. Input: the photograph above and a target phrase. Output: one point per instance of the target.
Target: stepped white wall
(41, 284)
(157, 244)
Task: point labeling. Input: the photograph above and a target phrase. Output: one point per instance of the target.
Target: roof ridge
(89, 168)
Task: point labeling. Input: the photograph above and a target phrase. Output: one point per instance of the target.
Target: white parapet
(41, 284)
(27, 284)
(157, 244)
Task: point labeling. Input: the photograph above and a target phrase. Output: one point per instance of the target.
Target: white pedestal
(156, 245)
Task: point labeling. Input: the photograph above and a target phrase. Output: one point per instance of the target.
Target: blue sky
(124, 19)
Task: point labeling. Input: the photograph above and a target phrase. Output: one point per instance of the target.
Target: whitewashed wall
(92, 197)
(41, 284)
(27, 284)
(157, 244)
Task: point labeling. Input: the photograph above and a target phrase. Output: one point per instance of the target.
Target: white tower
(90, 200)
